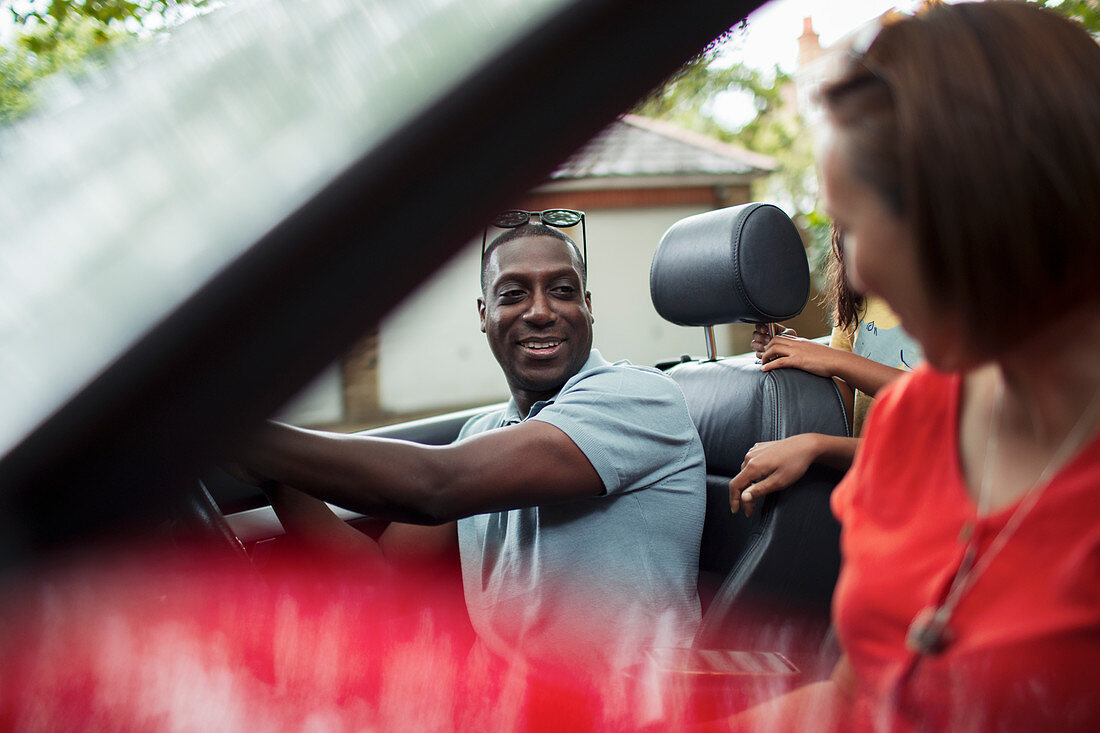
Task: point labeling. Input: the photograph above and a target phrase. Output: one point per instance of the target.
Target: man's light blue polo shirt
(607, 575)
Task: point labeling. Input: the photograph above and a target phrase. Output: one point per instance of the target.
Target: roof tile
(637, 146)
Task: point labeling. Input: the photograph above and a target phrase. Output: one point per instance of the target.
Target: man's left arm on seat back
(517, 466)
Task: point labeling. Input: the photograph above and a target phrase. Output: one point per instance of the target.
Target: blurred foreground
(169, 644)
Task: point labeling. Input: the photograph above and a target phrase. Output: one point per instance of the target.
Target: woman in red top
(962, 161)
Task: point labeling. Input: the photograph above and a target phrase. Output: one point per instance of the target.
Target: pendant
(928, 633)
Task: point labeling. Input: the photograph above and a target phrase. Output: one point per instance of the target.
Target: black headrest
(743, 264)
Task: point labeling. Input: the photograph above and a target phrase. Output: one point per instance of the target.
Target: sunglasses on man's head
(557, 218)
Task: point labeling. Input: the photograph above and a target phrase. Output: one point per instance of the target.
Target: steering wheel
(205, 521)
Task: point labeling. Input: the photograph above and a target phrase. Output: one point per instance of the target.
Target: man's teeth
(539, 344)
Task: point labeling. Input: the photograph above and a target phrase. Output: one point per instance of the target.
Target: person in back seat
(577, 509)
(868, 350)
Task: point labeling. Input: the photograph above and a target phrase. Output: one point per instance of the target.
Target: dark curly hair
(846, 303)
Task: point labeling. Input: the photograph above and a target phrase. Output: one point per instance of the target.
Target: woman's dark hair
(979, 126)
(846, 303)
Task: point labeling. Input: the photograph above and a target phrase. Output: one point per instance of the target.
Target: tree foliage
(1085, 12)
(68, 35)
(76, 46)
(50, 22)
(688, 98)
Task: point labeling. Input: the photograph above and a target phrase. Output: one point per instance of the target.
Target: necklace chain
(927, 633)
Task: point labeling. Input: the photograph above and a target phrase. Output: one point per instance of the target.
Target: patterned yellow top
(878, 337)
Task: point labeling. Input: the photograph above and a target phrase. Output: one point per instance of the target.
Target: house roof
(638, 151)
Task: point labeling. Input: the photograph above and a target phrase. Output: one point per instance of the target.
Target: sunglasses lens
(561, 217)
(510, 219)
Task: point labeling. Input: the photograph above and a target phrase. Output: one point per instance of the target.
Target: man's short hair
(523, 232)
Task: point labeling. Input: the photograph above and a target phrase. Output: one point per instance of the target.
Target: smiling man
(579, 506)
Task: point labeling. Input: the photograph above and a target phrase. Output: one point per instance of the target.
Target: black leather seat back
(782, 563)
(764, 576)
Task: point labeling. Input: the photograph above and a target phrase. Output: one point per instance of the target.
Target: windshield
(133, 186)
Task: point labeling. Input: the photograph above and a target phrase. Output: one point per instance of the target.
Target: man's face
(536, 315)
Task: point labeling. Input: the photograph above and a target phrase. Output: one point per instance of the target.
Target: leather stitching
(737, 280)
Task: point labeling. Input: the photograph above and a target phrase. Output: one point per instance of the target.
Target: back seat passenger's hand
(769, 467)
(786, 351)
(761, 338)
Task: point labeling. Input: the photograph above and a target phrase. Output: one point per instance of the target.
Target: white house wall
(319, 402)
(432, 354)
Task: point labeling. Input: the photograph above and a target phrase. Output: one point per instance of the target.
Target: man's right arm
(522, 465)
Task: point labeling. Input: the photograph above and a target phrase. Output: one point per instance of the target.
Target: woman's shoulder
(921, 384)
(910, 426)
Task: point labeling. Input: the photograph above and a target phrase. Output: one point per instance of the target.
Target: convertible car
(239, 204)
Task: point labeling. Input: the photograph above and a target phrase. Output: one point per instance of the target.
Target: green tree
(69, 35)
(776, 129)
(687, 99)
(1085, 12)
(50, 22)
(79, 45)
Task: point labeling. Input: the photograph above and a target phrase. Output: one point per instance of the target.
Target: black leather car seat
(766, 582)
